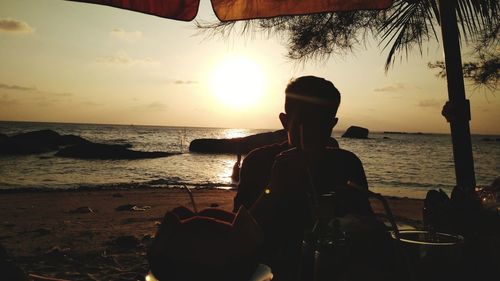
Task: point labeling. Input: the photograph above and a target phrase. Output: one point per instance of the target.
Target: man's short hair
(311, 94)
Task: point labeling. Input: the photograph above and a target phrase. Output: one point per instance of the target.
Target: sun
(238, 82)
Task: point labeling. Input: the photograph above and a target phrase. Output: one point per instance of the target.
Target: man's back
(297, 176)
(255, 172)
(285, 212)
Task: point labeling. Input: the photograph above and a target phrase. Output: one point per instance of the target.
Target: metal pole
(459, 124)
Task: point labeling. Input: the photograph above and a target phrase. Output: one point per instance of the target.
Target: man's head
(311, 104)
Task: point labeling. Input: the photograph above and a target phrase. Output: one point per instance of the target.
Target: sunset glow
(238, 82)
(143, 70)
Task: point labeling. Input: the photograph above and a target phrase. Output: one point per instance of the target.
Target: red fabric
(184, 10)
(231, 10)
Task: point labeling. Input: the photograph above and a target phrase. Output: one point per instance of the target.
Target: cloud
(122, 58)
(185, 82)
(127, 36)
(35, 90)
(5, 100)
(157, 106)
(16, 87)
(33, 95)
(15, 26)
(393, 88)
(430, 103)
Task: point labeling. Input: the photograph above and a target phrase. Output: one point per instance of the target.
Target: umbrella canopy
(231, 10)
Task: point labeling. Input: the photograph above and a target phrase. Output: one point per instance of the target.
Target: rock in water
(91, 150)
(356, 132)
(36, 142)
(237, 145)
(31, 142)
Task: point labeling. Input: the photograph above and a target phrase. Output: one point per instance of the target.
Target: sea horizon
(243, 128)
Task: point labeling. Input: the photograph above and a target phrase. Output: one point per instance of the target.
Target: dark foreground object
(209, 245)
(237, 145)
(479, 224)
(355, 132)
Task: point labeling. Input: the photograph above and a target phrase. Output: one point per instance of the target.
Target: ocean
(395, 164)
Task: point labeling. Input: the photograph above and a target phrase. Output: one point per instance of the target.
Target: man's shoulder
(341, 152)
(333, 153)
(264, 152)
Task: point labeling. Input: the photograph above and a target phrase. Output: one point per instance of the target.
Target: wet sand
(80, 235)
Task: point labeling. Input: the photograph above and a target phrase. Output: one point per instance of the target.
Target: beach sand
(80, 235)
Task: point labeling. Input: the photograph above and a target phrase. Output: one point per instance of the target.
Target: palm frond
(412, 22)
(409, 24)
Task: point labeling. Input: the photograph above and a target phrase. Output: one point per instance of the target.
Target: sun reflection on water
(226, 170)
(236, 133)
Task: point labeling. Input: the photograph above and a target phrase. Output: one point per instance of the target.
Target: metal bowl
(430, 256)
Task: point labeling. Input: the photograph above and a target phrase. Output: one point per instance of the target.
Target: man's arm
(357, 178)
(357, 172)
(250, 185)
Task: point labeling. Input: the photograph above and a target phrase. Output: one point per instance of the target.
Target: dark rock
(72, 140)
(42, 231)
(31, 142)
(117, 195)
(3, 253)
(237, 145)
(107, 151)
(141, 208)
(12, 272)
(391, 132)
(3, 136)
(56, 252)
(126, 145)
(147, 238)
(82, 210)
(131, 207)
(486, 139)
(37, 142)
(127, 242)
(126, 207)
(356, 132)
(386, 138)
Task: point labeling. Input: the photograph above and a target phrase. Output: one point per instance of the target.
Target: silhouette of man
(255, 170)
(299, 175)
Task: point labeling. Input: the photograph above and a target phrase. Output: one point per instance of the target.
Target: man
(255, 171)
(301, 171)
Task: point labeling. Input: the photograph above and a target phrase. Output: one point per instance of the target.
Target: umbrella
(232, 10)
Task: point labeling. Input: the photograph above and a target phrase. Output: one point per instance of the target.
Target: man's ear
(283, 119)
(334, 122)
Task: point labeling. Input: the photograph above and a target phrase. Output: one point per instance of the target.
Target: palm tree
(402, 28)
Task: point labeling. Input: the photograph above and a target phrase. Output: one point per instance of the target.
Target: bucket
(431, 255)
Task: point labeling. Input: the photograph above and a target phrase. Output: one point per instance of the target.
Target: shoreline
(165, 185)
(75, 234)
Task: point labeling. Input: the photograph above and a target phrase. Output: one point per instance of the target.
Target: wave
(173, 182)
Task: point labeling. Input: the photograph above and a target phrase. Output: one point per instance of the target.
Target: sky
(64, 61)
